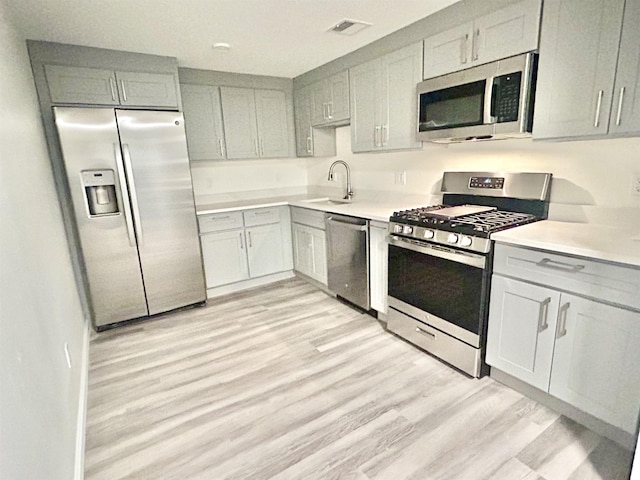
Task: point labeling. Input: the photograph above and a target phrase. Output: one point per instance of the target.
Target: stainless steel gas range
(440, 260)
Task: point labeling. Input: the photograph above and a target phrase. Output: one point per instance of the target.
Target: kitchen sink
(328, 202)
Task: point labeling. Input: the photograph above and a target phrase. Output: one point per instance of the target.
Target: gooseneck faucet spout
(349, 194)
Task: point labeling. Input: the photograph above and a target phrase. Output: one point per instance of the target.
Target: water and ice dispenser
(100, 189)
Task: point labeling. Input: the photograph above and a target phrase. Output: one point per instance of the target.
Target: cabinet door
(265, 250)
(302, 250)
(240, 124)
(338, 108)
(378, 251)
(302, 112)
(596, 364)
(203, 122)
(506, 32)
(400, 72)
(319, 254)
(147, 89)
(365, 91)
(225, 257)
(521, 330)
(448, 51)
(319, 99)
(578, 54)
(625, 117)
(81, 85)
(273, 131)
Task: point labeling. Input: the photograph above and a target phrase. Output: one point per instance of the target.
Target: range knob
(429, 234)
(452, 238)
(407, 229)
(465, 241)
(397, 229)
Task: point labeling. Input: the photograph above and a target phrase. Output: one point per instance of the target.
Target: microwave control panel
(506, 97)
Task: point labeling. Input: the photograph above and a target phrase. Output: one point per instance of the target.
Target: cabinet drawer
(261, 216)
(613, 283)
(305, 216)
(215, 222)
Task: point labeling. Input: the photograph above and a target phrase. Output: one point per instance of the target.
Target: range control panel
(495, 183)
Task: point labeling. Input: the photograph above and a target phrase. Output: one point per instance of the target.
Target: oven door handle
(471, 259)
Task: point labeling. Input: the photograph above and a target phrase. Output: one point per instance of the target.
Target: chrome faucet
(349, 194)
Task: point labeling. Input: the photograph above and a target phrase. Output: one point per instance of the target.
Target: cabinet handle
(262, 147)
(385, 135)
(250, 243)
(476, 45)
(324, 111)
(124, 91)
(562, 323)
(596, 122)
(620, 100)
(241, 242)
(565, 267)
(330, 110)
(113, 89)
(255, 146)
(309, 145)
(221, 147)
(463, 49)
(376, 136)
(544, 311)
(424, 332)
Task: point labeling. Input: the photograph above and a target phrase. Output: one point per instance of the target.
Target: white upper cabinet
(330, 100)
(626, 94)
(94, 86)
(588, 76)
(383, 101)
(203, 122)
(504, 33)
(310, 142)
(255, 122)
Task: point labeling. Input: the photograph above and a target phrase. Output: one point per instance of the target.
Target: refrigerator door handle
(126, 206)
(132, 193)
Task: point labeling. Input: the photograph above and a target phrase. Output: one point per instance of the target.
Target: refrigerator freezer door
(155, 153)
(90, 144)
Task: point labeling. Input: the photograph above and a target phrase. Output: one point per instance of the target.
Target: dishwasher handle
(359, 227)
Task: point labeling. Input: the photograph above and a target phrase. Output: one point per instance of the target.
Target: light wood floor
(285, 382)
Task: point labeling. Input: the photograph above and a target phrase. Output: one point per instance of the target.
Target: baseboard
(622, 438)
(81, 427)
(246, 284)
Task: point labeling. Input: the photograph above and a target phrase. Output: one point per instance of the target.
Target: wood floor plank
(285, 382)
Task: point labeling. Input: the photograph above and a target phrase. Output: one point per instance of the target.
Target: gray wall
(40, 397)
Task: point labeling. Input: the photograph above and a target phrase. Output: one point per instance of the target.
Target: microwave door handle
(488, 105)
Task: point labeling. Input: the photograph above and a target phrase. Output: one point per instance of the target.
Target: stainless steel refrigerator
(130, 184)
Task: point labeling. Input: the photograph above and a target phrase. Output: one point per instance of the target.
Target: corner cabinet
(255, 123)
(94, 86)
(203, 122)
(383, 101)
(588, 75)
(238, 246)
(310, 141)
(504, 33)
(576, 348)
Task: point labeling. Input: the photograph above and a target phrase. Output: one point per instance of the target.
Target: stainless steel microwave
(484, 102)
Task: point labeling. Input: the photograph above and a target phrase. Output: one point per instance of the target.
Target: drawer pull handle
(562, 324)
(215, 219)
(266, 212)
(544, 311)
(565, 267)
(424, 332)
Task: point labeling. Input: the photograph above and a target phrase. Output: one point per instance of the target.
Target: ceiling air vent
(349, 27)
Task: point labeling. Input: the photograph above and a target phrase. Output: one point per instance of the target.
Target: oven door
(443, 287)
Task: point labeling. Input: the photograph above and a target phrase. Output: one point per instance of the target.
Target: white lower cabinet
(378, 256)
(581, 351)
(310, 252)
(262, 247)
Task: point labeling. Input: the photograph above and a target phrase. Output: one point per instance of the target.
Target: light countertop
(371, 210)
(601, 242)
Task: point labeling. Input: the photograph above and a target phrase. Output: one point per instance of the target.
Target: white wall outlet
(635, 184)
(400, 178)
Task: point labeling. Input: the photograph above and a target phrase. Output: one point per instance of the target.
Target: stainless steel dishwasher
(348, 258)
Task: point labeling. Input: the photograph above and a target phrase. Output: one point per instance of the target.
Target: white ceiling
(268, 37)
